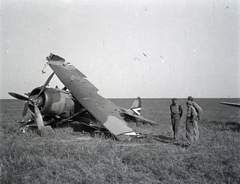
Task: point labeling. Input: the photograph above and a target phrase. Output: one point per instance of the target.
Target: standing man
(192, 132)
(176, 114)
(196, 106)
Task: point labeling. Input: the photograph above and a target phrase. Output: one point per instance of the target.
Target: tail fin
(136, 106)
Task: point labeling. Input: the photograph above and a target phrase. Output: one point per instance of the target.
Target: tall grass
(68, 157)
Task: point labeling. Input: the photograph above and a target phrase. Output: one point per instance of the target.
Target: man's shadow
(169, 140)
(163, 139)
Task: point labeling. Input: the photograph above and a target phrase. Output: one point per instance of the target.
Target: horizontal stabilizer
(140, 118)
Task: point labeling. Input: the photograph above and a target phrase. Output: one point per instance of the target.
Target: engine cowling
(53, 101)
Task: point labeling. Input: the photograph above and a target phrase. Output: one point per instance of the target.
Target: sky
(126, 48)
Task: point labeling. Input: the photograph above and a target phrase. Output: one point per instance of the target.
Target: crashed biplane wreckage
(78, 104)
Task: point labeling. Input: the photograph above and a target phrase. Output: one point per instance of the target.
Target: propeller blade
(38, 117)
(17, 96)
(25, 109)
(46, 83)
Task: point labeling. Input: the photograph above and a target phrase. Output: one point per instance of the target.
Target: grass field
(70, 157)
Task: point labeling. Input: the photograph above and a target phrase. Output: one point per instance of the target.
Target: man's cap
(174, 99)
(190, 98)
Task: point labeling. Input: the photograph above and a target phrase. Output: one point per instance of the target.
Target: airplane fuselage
(54, 102)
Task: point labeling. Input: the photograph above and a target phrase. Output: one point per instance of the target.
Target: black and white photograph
(120, 91)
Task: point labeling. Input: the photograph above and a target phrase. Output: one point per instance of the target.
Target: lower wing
(231, 104)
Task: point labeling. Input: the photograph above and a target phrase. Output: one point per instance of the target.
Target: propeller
(35, 101)
(19, 97)
(38, 117)
(45, 85)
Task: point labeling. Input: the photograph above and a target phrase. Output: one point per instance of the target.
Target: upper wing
(85, 92)
(231, 104)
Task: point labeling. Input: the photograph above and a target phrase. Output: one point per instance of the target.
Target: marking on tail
(137, 110)
(136, 106)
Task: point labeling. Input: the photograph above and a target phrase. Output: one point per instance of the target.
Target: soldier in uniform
(192, 132)
(176, 114)
(196, 106)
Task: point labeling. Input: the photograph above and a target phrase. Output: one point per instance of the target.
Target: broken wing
(85, 92)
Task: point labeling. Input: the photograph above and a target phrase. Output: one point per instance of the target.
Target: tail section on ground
(134, 113)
